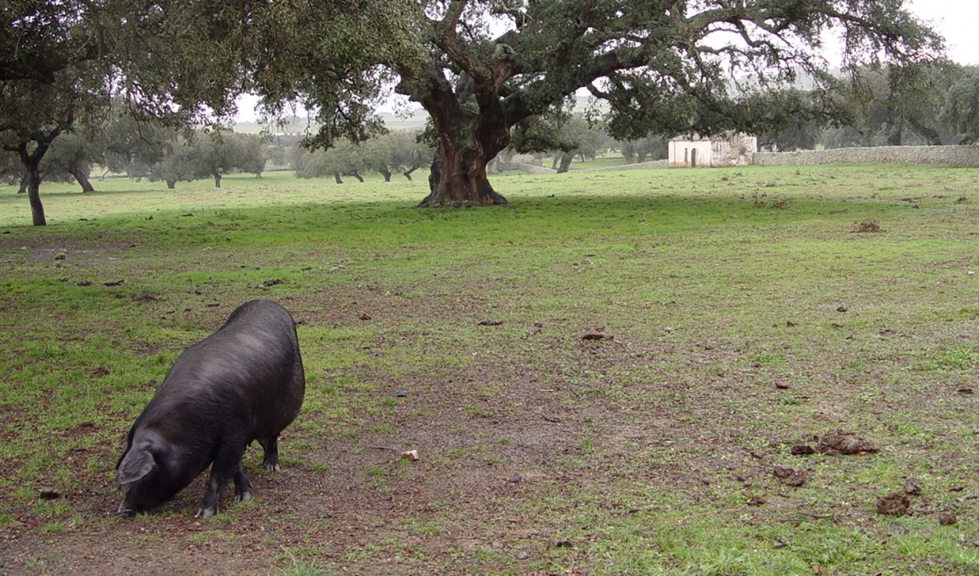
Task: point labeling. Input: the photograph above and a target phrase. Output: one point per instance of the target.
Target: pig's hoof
(243, 497)
(271, 467)
(205, 513)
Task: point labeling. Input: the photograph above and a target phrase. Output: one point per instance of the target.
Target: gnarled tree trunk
(32, 165)
(565, 166)
(82, 178)
(459, 176)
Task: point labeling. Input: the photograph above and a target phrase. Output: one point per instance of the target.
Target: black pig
(244, 382)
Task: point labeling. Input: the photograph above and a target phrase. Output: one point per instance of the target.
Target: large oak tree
(662, 66)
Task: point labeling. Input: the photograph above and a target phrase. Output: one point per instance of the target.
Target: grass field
(613, 374)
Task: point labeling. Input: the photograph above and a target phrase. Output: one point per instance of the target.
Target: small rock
(410, 455)
(946, 517)
(894, 504)
(781, 386)
(365, 317)
(522, 556)
(490, 322)
(841, 309)
(60, 256)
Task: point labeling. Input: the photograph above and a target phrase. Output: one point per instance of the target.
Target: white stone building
(697, 152)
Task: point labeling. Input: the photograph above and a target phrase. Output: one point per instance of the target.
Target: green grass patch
(731, 315)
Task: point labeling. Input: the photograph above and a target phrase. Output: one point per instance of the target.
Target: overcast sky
(957, 21)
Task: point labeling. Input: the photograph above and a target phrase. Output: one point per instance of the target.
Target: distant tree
(567, 134)
(395, 151)
(962, 107)
(345, 158)
(12, 171)
(410, 151)
(377, 155)
(224, 152)
(792, 138)
(899, 105)
(133, 145)
(178, 164)
(71, 157)
(642, 149)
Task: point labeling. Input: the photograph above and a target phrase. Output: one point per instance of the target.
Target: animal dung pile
(844, 442)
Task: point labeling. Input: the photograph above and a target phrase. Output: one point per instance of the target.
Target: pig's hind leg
(271, 447)
(242, 493)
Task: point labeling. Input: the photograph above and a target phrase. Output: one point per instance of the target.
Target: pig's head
(143, 467)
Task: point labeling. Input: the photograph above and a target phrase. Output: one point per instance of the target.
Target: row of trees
(141, 150)
(926, 104)
(489, 73)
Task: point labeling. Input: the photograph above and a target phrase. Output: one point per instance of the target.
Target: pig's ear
(136, 463)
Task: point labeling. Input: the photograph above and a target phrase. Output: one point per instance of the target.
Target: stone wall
(533, 169)
(952, 155)
(655, 164)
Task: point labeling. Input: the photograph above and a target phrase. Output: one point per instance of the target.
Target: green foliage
(962, 111)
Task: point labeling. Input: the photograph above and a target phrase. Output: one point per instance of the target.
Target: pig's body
(244, 382)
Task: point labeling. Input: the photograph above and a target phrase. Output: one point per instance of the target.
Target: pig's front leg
(226, 465)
